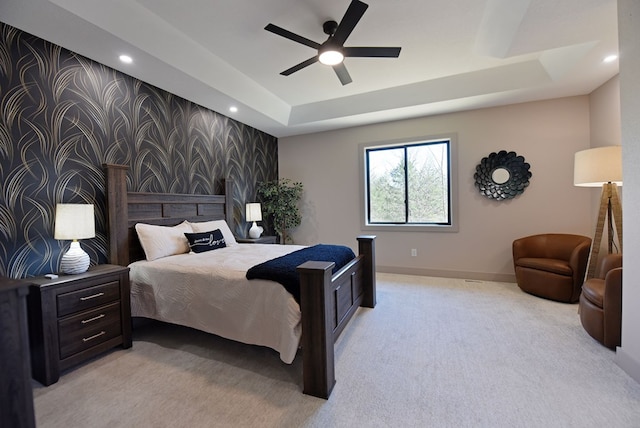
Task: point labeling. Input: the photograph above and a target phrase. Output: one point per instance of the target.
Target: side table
(260, 240)
(75, 317)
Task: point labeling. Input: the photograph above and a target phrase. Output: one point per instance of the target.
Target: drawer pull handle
(86, 339)
(92, 319)
(93, 296)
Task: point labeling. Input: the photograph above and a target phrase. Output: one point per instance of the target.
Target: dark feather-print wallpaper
(62, 116)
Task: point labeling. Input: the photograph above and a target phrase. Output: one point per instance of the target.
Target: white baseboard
(481, 276)
(627, 363)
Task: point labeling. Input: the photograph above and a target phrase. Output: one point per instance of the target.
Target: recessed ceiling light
(610, 58)
(233, 109)
(126, 59)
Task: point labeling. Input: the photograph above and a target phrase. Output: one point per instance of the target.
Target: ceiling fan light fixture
(331, 56)
(332, 52)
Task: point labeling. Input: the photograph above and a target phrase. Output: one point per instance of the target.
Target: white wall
(604, 114)
(628, 356)
(546, 133)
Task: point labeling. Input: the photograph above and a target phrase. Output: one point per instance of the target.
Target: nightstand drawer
(87, 298)
(89, 328)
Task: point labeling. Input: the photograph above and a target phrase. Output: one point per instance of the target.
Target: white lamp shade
(74, 221)
(595, 167)
(254, 212)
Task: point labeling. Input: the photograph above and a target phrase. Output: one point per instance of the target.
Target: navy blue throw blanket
(283, 269)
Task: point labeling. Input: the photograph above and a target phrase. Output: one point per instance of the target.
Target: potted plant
(280, 200)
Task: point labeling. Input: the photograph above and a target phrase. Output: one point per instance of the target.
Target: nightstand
(260, 240)
(75, 317)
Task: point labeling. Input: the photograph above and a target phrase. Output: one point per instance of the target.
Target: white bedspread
(208, 291)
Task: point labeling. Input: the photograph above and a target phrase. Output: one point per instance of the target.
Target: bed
(327, 300)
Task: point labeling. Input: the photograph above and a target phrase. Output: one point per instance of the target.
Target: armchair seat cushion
(560, 267)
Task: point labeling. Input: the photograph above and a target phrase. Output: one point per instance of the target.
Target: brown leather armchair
(601, 302)
(551, 265)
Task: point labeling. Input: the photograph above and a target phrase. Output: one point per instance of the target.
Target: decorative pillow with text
(205, 226)
(205, 241)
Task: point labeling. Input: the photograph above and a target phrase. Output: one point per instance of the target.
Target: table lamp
(254, 213)
(74, 221)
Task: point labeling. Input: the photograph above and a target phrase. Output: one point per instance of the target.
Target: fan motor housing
(330, 27)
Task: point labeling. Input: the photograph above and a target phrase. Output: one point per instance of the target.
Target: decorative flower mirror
(502, 175)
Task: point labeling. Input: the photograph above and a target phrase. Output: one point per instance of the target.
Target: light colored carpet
(435, 352)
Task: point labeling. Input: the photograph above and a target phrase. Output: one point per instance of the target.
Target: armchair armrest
(608, 262)
(578, 260)
(612, 307)
(523, 247)
(612, 299)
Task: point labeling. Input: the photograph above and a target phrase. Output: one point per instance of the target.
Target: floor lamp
(602, 167)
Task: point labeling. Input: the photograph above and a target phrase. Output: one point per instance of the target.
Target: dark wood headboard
(125, 209)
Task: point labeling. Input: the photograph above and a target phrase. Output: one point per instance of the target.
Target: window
(409, 184)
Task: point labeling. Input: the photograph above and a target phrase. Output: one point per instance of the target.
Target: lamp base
(255, 231)
(610, 207)
(75, 261)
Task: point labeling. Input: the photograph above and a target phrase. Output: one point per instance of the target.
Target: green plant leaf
(280, 201)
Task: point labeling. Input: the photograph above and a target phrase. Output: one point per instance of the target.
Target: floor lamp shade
(73, 222)
(602, 167)
(595, 167)
(254, 213)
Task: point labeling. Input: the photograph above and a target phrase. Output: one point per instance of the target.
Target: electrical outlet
(414, 252)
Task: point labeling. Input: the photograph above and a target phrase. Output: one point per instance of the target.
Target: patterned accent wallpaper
(62, 116)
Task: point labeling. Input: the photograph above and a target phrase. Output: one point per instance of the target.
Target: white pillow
(206, 226)
(163, 241)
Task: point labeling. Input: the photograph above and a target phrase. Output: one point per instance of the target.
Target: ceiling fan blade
(372, 52)
(342, 73)
(292, 36)
(349, 21)
(300, 66)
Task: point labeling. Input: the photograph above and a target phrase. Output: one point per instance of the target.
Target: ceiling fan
(333, 51)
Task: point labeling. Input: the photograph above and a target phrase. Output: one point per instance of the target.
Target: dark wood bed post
(117, 213)
(318, 367)
(367, 248)
(322, 321)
